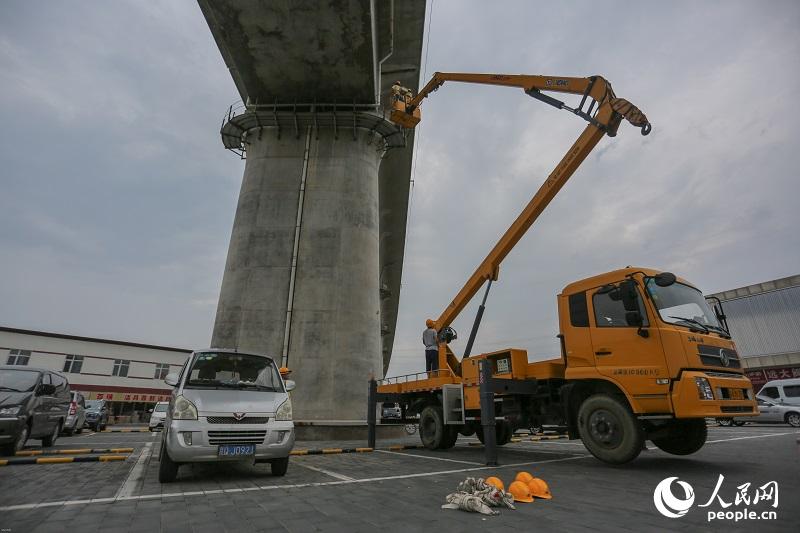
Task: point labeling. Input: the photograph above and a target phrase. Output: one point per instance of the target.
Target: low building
(764, 320)
(129, 375)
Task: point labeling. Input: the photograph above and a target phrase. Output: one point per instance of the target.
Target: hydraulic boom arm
(603, 114)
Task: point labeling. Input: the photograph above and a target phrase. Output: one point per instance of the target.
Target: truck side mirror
(665, 279)
(634, 318)
(629, 296)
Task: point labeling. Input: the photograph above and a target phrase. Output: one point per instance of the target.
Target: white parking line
(428, 457)
(754, 437)
(136, 474)
(326, 472)
(536, 448)
(324, 483)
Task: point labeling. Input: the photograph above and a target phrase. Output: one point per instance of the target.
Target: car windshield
(683, 305)
(94, 405)
(13, 380)
(233, 370)
(161, 408)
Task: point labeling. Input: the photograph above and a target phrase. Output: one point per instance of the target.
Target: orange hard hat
(430, 323)
(525, 477)
(520, 492)
(495, 482)
(539, 488)
(284, 371)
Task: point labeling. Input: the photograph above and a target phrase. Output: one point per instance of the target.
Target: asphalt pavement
(403, 489)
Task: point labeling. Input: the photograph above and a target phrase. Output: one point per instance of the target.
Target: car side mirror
(149, 410)
(171, 379)
(290, 384)
(46, 390)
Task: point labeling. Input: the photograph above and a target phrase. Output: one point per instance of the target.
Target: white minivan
(781, 391)
(227, 406)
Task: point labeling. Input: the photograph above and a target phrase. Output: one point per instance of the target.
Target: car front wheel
(279, 466)
(50, 440)
(167, 468)
(793, 419)
(18, 444)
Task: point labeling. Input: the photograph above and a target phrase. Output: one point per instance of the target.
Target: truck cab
(656, 339)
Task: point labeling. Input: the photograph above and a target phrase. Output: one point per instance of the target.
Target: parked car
(76, 417)
(158, 415)
(769, 411)
(34, 404)
(783, 391)
(96, 414)
(390, 410)
(227, 406)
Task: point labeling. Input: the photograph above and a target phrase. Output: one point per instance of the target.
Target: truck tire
(450, 437)
(432, 430)
(502, 433)
(609, 429)
(684, 438)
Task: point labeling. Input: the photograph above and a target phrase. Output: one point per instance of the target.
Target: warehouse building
(764, 320)
(128, 375)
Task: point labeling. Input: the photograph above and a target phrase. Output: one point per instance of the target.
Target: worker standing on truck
(431, 348)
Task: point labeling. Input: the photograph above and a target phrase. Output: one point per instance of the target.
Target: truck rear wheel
(502, 432)
(450, 437)
(432, 430)
(609, 429)
(684, 437)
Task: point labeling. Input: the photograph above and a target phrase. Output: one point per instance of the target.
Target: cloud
(118, 200)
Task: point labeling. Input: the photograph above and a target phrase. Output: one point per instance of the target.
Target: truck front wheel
(609, 429)
(684, 437)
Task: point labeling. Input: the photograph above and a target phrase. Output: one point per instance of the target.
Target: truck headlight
(704, 388)
(183, 409)
(284, 412)
(10, 411)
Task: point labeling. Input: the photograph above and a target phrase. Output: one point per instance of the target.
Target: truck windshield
(683, 305)
(233, 370)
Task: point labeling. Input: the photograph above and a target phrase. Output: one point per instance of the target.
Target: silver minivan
(227, 406)
(782, 391)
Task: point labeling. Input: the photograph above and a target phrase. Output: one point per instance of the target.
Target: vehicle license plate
(231, 450)
(736, 394)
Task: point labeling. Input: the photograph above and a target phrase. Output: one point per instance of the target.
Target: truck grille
(713, 356)
(737, 408)
(236, 437)
(232, 420)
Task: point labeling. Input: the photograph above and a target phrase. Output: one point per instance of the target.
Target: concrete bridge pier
(301, 281)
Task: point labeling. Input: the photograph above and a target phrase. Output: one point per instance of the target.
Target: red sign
(760, 377)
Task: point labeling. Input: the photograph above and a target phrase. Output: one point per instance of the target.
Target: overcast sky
(117, 198)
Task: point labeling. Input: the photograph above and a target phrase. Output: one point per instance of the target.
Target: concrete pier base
(331, 430)
(301, 282)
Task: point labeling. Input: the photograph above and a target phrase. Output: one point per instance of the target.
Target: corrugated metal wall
(767, 323)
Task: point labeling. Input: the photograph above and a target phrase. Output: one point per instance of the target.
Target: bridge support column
(331, 299)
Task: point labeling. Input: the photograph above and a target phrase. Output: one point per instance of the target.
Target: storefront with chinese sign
(126, 405)
(126, 397)
(762, 375)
